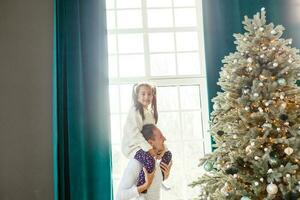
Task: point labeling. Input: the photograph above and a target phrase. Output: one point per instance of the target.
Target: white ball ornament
(255, 94)
(273, 32)
(288, 151)
(246, 91)
(272, 189)
(249, 60)
(245, 198)
(275, 64)
(261, 29)
(261, 179)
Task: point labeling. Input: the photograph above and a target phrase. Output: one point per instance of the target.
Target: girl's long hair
(138, 105)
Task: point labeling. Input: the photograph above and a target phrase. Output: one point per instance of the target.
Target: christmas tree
(256, 119)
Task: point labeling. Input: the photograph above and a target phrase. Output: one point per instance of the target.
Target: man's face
(158, 140)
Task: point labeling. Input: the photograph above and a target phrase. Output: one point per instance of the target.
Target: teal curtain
(81, 126)
(223, 18)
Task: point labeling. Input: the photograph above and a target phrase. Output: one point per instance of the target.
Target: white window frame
(174, 80)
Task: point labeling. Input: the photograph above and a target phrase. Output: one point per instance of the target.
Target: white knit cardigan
(132, 139)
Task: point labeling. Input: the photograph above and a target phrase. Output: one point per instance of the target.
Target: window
(162, 42)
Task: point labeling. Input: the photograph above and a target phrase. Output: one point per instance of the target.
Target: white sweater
(128, 190)
(133, 139)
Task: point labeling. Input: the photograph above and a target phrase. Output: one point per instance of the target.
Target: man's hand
(166, 169)
(148, 180)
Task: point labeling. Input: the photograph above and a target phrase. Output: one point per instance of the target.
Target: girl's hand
(148, 180)
(166, 169)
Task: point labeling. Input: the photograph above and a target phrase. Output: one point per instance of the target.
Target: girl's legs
(166, 158)
(147, 161)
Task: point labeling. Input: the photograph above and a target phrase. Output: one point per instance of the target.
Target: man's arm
(127, 188)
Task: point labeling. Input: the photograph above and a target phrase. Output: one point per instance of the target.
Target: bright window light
(161, 41)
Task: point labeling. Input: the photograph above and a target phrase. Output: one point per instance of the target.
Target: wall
(25, 99)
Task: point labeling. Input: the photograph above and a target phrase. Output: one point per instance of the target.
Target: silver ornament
(272, 189)
(248, 149)
(267, 125)
(249, 69)
(246, 91)
(281, 81)
(275, 64)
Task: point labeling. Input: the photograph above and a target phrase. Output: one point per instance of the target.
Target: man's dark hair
(147, 131)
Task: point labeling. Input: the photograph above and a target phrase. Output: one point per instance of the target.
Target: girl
(143, 111)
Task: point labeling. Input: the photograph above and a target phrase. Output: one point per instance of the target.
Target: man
(128, 188)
